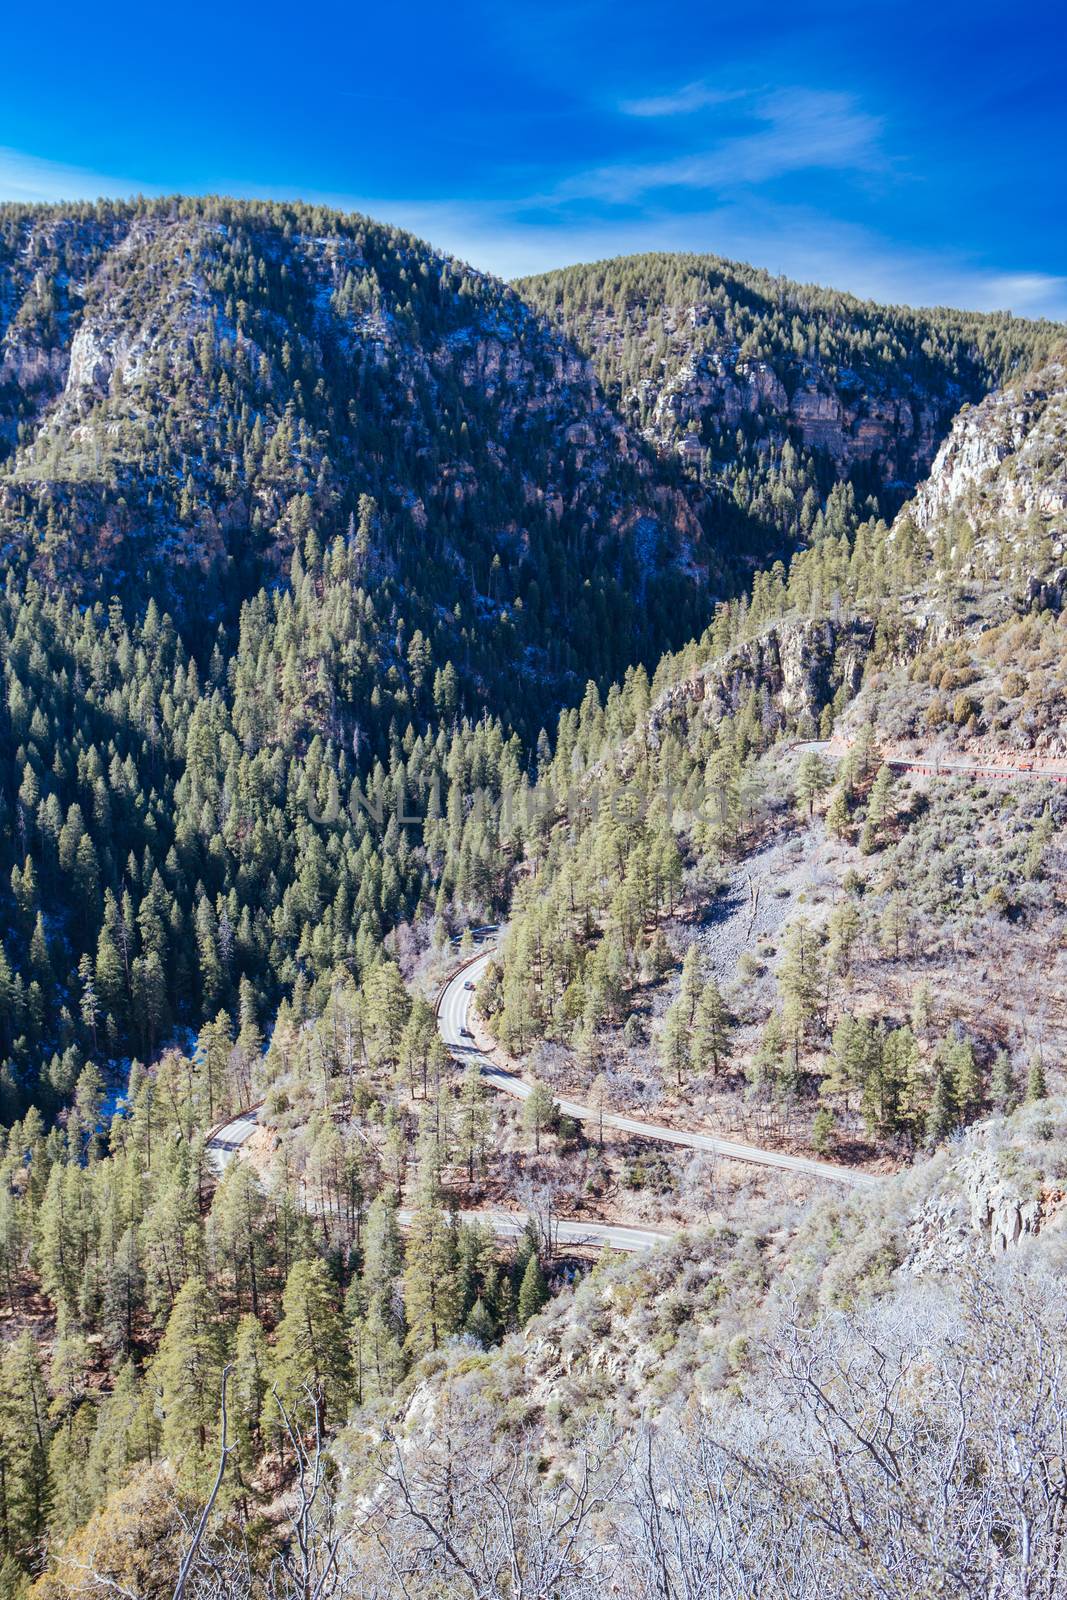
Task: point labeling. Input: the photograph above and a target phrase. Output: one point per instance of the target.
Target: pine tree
(479, 1324)
(24, 1441)
(432, 1300)
(723, 801)
(246, 1395)
(68, 1476)
(880, 800)
(533, 1292)
(941, 1117)
(675, 1049)
(383, 1250)
(767, 1064)
(388, 1007)
(844, 929)
(474, 1118)
(894, 925)
(801, 974)
(692, 985)
(813, 780)
(188, 1370)
(966, 1081)
(416, 1042)
(84, 1117)
(822, 1131)
(1036, 1085)
(376, 1355)
(309, 1363)
(1002, 1086)
(237, 1231)
(838, 814)
(922, 1008)
(110, 975)
(539, 1112)
(711, 1030)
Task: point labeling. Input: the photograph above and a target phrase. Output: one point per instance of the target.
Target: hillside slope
(768, 391)
(867, 1399)
(187, 388)
(846, 914)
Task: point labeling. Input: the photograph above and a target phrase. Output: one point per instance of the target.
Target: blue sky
(908, 151)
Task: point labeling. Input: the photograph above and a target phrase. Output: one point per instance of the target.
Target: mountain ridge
(220, 378)
(718, 363)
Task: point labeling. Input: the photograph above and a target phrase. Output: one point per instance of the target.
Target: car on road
(468, 986)
(465, 1033)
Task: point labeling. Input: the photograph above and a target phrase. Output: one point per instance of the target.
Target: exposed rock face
(46, 263)
(723, 366)
(894, 432)
(1047, 594)
(126, 334)
(1004, 461)
(982, 1207)
(35, 369)
(798, 667)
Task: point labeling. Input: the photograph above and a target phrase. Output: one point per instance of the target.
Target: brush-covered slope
(865, 1400)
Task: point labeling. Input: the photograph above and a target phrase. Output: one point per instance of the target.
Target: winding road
(224, 1143)
(453, 1020)
(594, 1235)
(934, 765)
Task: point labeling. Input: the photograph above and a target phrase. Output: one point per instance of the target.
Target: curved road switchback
(453, 1020)
(226, 1142)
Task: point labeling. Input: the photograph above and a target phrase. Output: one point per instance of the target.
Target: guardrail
(940, 769)
(454, 974)
(214, 1132)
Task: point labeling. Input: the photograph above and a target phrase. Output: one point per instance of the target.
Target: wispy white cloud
(796, 241)
(516, 236)
(1028, 294)
(691, 97)
(798, 129)
(31, 178)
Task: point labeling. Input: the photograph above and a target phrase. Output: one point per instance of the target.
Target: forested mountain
(309, 533)
(771, 392)
(187, 388)
(840, 1001)
(179, 841)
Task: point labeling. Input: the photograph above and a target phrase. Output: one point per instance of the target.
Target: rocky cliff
(1000, 477)
(797, 666)
(764, 392)
(46, 260)
(995, 1193)
(851, 420)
